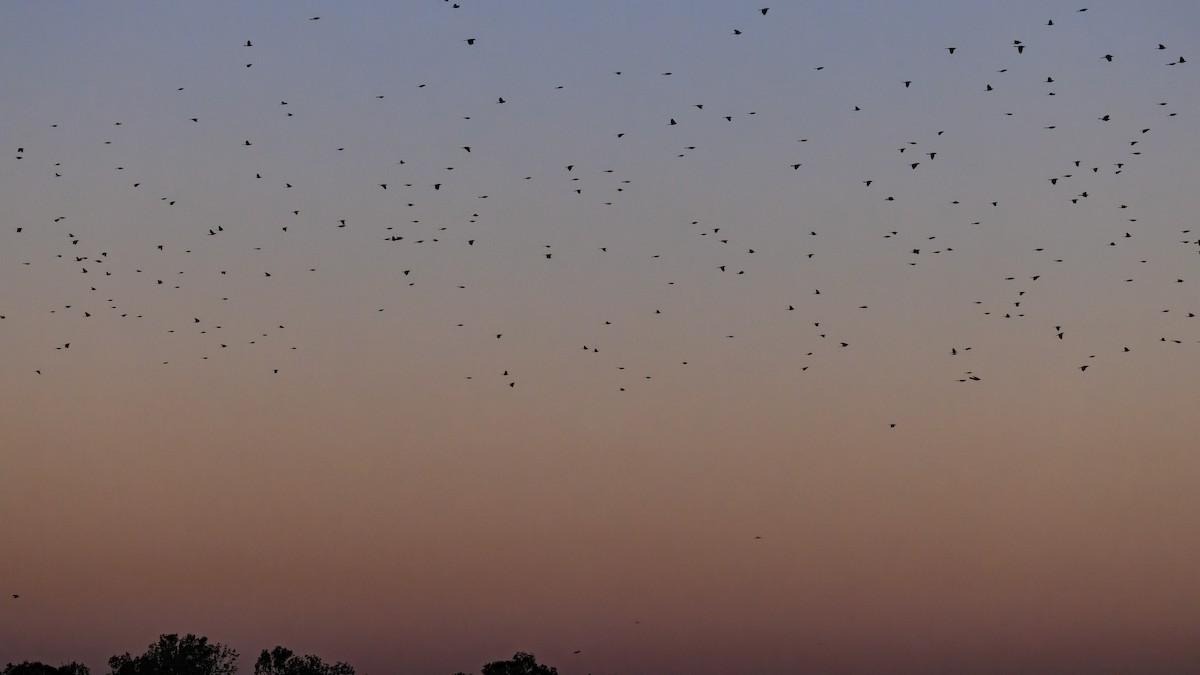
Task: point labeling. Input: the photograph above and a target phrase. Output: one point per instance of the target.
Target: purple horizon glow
(553, 403)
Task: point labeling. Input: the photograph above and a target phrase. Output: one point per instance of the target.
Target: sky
(687, 336)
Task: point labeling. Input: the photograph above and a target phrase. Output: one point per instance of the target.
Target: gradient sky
(557, 412)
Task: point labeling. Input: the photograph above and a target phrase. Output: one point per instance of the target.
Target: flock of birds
(103, 272)
(451, 214)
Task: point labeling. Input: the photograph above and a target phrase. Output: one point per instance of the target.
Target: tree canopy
(193, 655)
(282, 661)
(173, 655)
(522, 663)
(39, 668)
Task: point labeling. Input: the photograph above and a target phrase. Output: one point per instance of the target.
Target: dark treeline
(193, 655)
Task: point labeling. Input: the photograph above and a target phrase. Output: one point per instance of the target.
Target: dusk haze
(651, 337)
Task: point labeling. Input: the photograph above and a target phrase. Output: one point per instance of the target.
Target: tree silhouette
(521, 663)
(282, 661)
(172, 655)
(39, 668)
